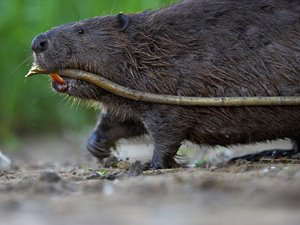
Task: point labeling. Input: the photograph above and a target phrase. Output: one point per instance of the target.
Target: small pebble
(135, 169)
(93, 176)
(111, 161)
(50, 177)
(123, 165)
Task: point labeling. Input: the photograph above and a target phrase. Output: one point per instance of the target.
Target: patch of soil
(265, 192)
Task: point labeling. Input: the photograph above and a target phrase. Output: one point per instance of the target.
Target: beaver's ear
(123, 21)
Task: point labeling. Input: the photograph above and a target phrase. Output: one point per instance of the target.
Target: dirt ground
(52, 181)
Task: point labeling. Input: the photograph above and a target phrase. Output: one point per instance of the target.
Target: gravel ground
(52, 182)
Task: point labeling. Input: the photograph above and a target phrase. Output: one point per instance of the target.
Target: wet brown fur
(192, 48)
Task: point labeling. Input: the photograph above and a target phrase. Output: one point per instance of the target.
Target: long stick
(177, 100)
(171, 99)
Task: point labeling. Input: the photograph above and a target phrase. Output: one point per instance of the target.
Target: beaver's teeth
(55, 77)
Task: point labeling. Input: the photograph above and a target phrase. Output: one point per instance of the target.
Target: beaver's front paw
(99, 146)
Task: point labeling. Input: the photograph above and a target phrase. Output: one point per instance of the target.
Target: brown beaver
(192, 48)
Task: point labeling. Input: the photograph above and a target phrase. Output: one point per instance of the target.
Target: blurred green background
(29, 107)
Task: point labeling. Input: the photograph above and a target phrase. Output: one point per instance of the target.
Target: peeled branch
(125, 92)
(35, 69)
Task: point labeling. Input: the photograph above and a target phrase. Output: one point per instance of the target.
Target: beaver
(191, 48)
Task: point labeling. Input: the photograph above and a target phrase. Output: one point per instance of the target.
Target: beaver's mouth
(59, 83)
(67, 85)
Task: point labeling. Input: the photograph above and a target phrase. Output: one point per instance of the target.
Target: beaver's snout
(40, 43)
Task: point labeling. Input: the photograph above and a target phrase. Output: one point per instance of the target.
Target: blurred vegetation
(28, 107)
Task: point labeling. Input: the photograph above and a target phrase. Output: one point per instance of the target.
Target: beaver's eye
(80, 31)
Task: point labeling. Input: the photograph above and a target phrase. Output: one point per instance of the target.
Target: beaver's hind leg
(167, 135)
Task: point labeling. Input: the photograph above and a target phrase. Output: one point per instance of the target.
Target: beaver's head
(92, 45)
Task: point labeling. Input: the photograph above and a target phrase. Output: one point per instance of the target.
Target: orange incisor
(57, 78)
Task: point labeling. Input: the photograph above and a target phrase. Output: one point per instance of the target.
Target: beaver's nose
(39, 43)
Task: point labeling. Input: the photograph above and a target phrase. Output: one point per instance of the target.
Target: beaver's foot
(99, 146)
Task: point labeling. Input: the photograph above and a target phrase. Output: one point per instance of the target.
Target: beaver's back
(229, 48)
(222, 48)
